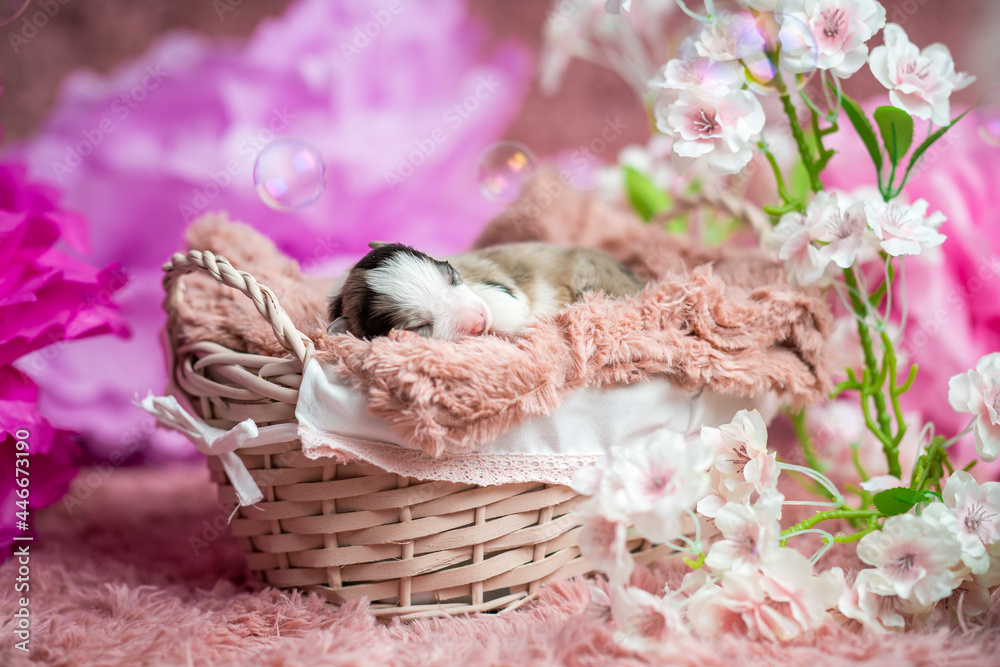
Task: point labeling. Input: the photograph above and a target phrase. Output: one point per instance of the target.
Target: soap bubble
(797, 40)
(988, 118)
(11, 9)
(289, 174)
(503, 169)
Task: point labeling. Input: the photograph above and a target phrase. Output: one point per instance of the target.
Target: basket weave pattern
(413, 548)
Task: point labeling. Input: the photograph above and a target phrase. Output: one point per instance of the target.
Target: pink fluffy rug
(136, 574)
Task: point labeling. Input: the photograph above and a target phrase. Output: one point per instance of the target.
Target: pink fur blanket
(721, 318)
(136, 568)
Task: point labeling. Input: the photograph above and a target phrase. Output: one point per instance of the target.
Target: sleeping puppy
(497, 290)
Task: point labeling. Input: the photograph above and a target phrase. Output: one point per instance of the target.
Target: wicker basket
(413, 548)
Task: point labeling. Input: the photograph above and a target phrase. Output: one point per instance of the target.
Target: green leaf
(647, 200)
(922, 148)
(677, 226)
(864, 129)
(897, 501)
(896, 127)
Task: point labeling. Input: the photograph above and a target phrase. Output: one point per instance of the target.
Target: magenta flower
(47, 297)
(399, 103)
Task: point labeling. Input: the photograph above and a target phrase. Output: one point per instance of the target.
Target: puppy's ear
(375, 245)
(338, 326)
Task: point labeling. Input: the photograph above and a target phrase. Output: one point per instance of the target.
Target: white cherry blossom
(919, 81)
(978, 392)
(731, 37)
(743, 463)
(645, 620)
(657, 484)
(972, 514)
(841, 226)
(915, 556)
(904, 229)
(788, 579)
(603, 541)
(791, 241)
(827, 34)
(719, 129)
(703, 75)
(750, 532)
(872, 602)
(778, 604)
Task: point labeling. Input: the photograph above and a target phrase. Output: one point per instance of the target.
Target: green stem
(800, 137)
(854, 537)
(800, 424)
(856, 459)
(786, 200)
(876, 298)
(883, 429)
(824, 155)
(819, 517)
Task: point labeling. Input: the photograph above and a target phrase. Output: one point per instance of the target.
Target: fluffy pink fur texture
(137, 573)
(718, 318)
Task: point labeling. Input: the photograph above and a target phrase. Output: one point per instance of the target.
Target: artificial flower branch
(924, 540)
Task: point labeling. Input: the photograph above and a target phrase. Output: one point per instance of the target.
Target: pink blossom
(658, 484)
(740, 605)
(48, 296)
(915, 555)
(791, 241)
(790, 583)
(743, 463)
(645, 620)
(189, 147)
(750, 534)
(919, 81)
(972, 514)
(603, 541)
(837, 34)
(709, 77)
(731, 37)
(872, 602)
(978, 393)
(904, 229)
(841, 226)
(720, 129)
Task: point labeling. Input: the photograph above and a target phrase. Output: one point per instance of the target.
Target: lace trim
(476, 468)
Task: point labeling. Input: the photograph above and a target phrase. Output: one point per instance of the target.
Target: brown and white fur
(500, 290)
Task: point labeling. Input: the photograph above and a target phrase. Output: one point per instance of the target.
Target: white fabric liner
(334, 421)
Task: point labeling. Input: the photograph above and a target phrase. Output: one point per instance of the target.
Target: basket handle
(290, 338)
